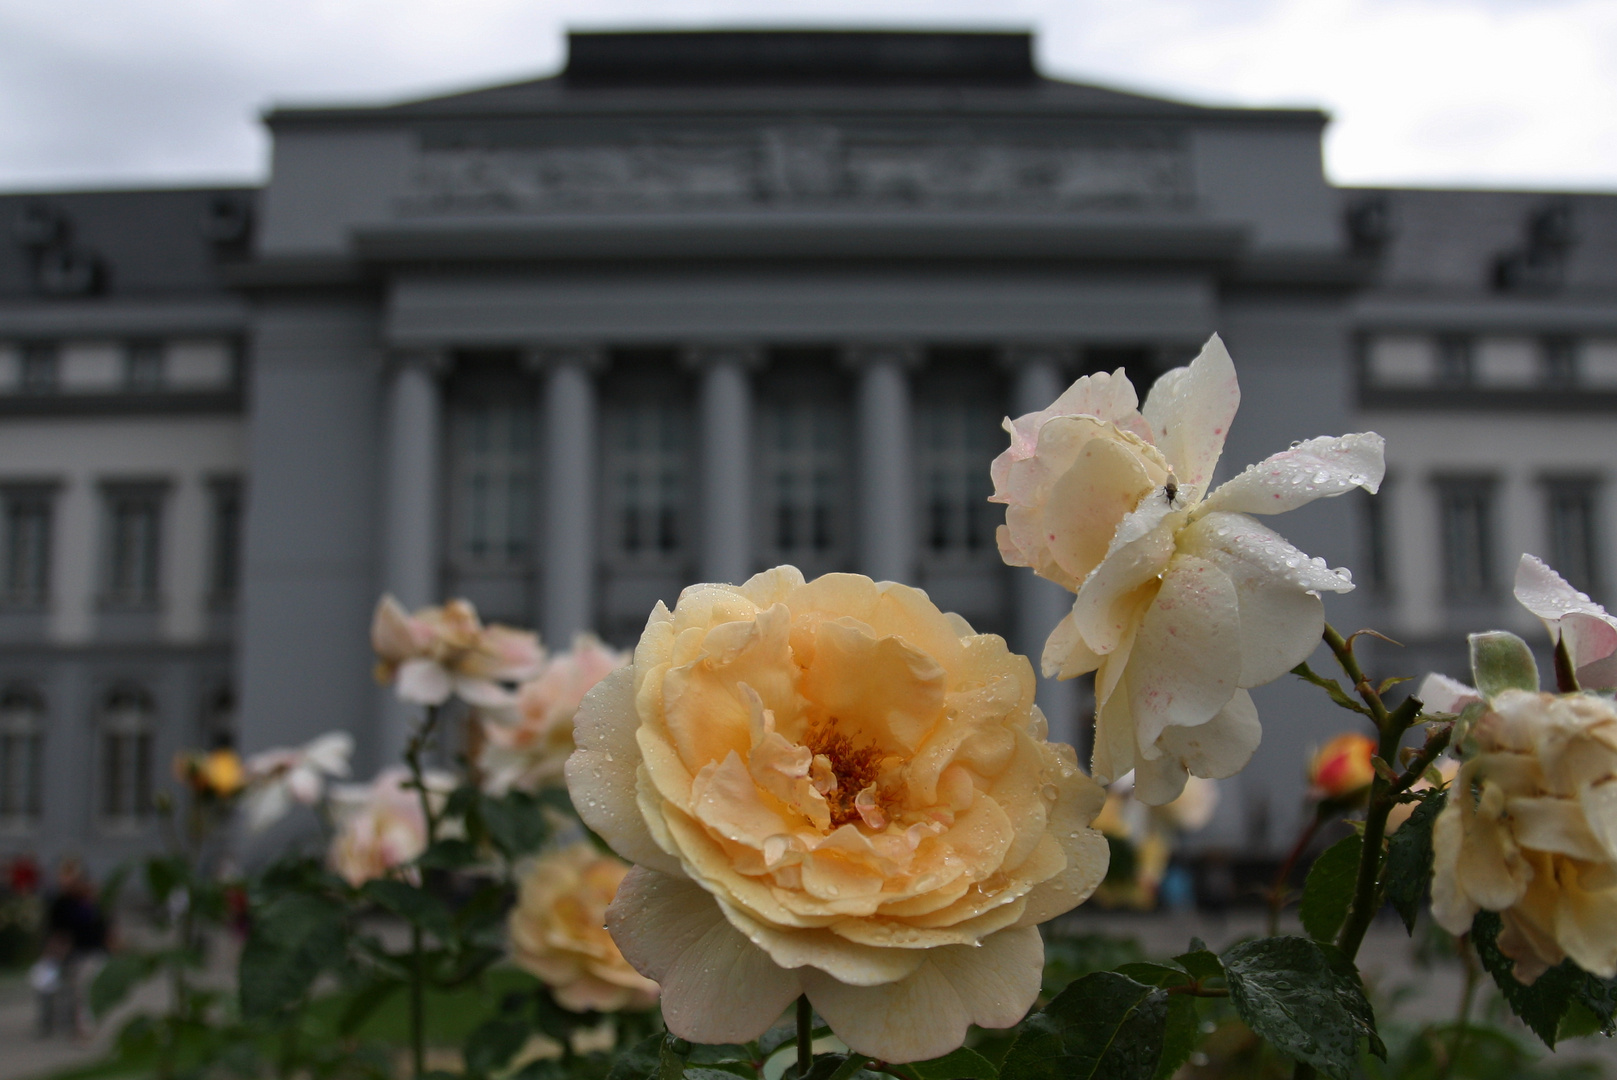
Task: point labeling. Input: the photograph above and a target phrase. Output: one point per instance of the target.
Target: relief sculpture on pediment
(805, 166)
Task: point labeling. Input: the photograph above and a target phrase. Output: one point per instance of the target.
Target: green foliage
(294, 938)
(962, 1064)
(1332, 688)
(1502, 661)
(1068, 957)
(1304, 1001)
(413, 904)
(118, 977)
(1328, 891)
(1409, 859)
(1104, 1025)
(1541, 1005)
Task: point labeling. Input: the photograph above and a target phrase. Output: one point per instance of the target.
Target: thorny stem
(805, 1039)
(1343, 650)
(412, 757)
(1277, 891)
(418, 1028)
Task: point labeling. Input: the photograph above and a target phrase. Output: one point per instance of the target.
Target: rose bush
(558, 932)
(832, 788)
(1183, 601)
(380, 826)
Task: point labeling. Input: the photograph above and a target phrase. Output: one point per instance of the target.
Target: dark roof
(805, 55)
(1497, 241)
(673, 72)
(130, 242)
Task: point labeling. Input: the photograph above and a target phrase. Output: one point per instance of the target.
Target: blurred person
(76, 941)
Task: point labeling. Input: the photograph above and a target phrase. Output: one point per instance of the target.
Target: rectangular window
(126, 756)
(25, 547)
(493, 479)
(957, 435)
(134, 536)
(1571, 510)
(1465, 507)
(22, 726)
(143, 366)
(224, 569)
(39, 368)
(1456, 360)
(1558, 362)
(647, 425)
(803, 442)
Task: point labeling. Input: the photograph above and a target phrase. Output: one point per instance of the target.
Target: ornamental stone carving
(808, 166)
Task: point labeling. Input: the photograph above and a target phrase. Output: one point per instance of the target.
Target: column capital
(589, 356)
(1020, 354)
(699, 355)
(430, 359)
(863, 354)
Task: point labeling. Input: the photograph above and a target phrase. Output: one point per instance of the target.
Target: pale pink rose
(832, 788)
(443, 651)
(558, 932)
(278, 779)
(525, 745)
(1569, 615)
(1530, 831)
(1183, 601)
(380, 826)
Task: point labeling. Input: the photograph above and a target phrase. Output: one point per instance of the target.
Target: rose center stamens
(854, 768)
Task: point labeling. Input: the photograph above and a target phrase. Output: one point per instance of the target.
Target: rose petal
(1109, 598)
(423, 682)
(1187, 657)
(926, 1015)
(601, 773)
(1316, 469)
(1214, 750)
(1439, 693)
(1190, 409)
(717, 987)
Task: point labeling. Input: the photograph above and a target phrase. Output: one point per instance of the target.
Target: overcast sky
(99, 93)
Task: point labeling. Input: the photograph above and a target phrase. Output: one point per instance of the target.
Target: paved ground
(1422, 992)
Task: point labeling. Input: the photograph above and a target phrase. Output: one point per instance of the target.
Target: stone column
(886, 477)
(1038, 375)
(567, 520)
(724, 406)
(413, 479)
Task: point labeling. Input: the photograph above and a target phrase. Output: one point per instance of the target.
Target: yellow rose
(558, 932)
(1530, 831)
(834, 789)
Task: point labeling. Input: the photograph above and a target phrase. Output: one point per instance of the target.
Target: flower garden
(817, 829)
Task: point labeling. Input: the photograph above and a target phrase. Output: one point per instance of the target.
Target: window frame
(226, 516)
(1588, 488)
(513, 400)
(40, 495)
(1484, 489)
(959, 388)
(134, 730)
(672, 466)
(15, 699)
(825, 393)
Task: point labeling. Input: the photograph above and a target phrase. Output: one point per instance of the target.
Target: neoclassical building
(704, 303)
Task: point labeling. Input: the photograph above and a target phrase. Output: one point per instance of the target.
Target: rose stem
(805, 1037)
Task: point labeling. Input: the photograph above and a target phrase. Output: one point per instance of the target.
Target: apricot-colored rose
(1184, 601)
(1530, 831)
(1341, 768)
(442, 651)
(380, 825)
(558, 932)
(832, 788)
(525, 745)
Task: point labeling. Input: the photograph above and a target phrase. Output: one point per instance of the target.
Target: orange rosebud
(222, 772)
(1342, 769)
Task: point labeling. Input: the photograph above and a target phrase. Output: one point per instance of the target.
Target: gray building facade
(706, 303)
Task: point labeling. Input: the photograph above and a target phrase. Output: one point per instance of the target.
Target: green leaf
(1541, 1005)
(516, 823)
(1104, 1025)
(413, 904)
(639, 1061)
(1201, 962)
(493, 1043)
(1328, 890)
(1502, 661)
(961, 1064)
(120, 975)
(671, 1058)
(837, 1067)
(1332, 688)
(365, 1001)
(1179, 1036)
(447, 855)
(293, 939)
(1288, 991)
(1599, 996)
(721, 1070)
(1409, 859)
(1154, 974)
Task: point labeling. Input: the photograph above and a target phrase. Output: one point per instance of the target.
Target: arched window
(22, 736)
(126, 755)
